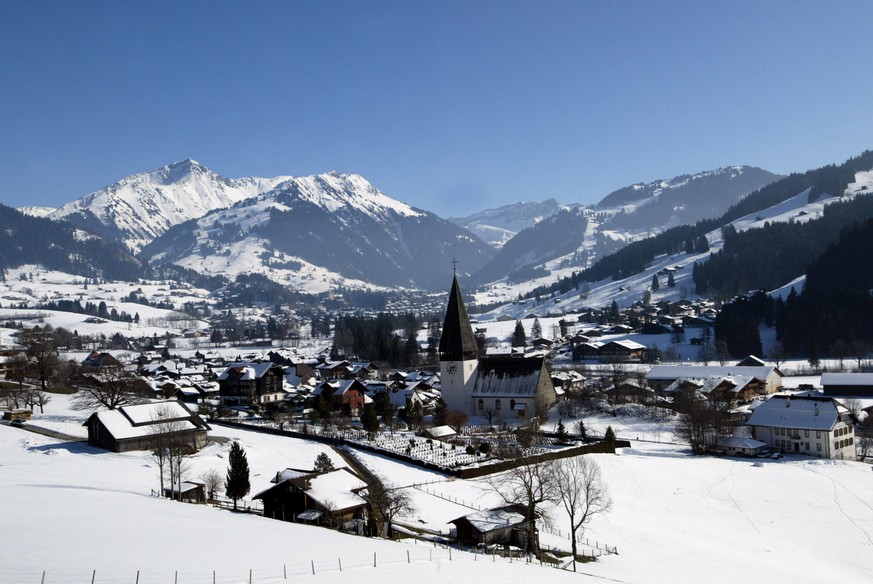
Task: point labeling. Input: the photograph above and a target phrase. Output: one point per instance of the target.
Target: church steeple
(457, 342)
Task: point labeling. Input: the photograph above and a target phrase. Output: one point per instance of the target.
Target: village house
(251, 384)
(135, 427)
(342, 394)
(504, 526)
(329, 499)
(811, 425)
(767, 379)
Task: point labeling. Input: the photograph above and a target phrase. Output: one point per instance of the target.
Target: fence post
(176, 579)
(374, 559)
(284, 571)
(408, 561)
(42, 580)
(313, 567)
(93, 576)
(340, 562)
(137, 577)
(250, 576)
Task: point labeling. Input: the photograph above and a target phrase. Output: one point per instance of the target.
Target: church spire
(457, 342)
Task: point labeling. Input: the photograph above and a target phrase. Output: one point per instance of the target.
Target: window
(818, 446)
(512, 404)
(497, 404)
(481, 404)
(806, 445)
(806, 435)
(818, 433)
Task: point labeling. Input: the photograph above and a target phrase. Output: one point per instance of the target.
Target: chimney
(788, 402)
(816, 408)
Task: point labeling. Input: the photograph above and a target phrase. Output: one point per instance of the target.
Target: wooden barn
(500, 526)
(135, 427)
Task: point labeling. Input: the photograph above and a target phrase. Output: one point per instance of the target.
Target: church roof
(457, 342)
(511, 377)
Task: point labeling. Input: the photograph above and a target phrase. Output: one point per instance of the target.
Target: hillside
(79, 511)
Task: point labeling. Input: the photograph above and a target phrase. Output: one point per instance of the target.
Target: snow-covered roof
(740, 442)
(704, 371)
(333, 489)
(846, 379)
(805, 413)
(491, 519)
(139, 421)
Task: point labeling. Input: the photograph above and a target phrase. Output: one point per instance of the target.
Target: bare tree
(529, 485)
(109, 387)
(34, 398)
(456, 420)
(170, 446)
(212, 481)
(41, 348)
(387, 503)
(582, 493)
(778, 354)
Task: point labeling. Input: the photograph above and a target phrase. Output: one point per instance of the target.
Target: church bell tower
(458, 354)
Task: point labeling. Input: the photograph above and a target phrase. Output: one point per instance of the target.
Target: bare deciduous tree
(582, 493)
(170, 446)
(212, 481)
(108, 387)
(529, 485)
(42, 349)
(387, 503)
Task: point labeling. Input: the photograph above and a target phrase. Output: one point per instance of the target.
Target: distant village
(477, 411)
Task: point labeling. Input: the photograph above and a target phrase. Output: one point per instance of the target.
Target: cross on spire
(454, 267)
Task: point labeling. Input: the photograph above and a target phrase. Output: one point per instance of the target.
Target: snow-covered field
(70, 510)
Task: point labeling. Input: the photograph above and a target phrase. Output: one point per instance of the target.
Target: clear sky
(452, 107)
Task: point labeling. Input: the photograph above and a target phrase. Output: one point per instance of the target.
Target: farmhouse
(328, 499)
(816, 426)
(500, 526)
(135, 427)
(766, 379)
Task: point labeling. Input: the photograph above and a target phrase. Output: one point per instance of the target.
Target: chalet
(342, 393)
(660, 377)
(135, 427)
(251, 384)
(847, 384)
(815, 426)
(96, 359)
(330, 499)
(610, 352)
(334, 370)
(501, 526)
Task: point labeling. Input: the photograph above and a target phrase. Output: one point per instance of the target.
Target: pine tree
(236, 485)
(561, 431)
(519, 338)
(671, 281)
(656, 285)
(536, 330)
(323, 463)
(609, 437)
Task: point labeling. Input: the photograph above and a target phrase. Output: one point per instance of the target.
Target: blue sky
(452, 107)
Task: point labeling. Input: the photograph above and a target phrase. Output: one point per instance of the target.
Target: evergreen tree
(614, 313)
(671, 281)
(536, 331)
(236, 485)
(519, 338)
(323, 463)
(561, 431)
(369, 420)
(656, 285)
(609, 437)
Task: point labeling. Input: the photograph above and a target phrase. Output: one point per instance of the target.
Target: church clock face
(452, 368)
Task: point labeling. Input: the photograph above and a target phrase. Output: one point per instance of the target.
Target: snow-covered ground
(69, 509)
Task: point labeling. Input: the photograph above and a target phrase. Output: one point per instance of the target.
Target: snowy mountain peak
(142, 206)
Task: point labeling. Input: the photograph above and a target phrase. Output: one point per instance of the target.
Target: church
(507, 388)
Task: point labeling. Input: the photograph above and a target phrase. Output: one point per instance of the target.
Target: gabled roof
(247, 371)
(512, 377)
(703, 371)
(846, 379)
(139, 420)
(493, 519)
(805, 413)
(457, 342)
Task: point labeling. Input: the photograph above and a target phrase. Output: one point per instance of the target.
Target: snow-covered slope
(320, 232)
(632, 289)
(35, 211)
(142, 206)
(497, 226)
(584, 234)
